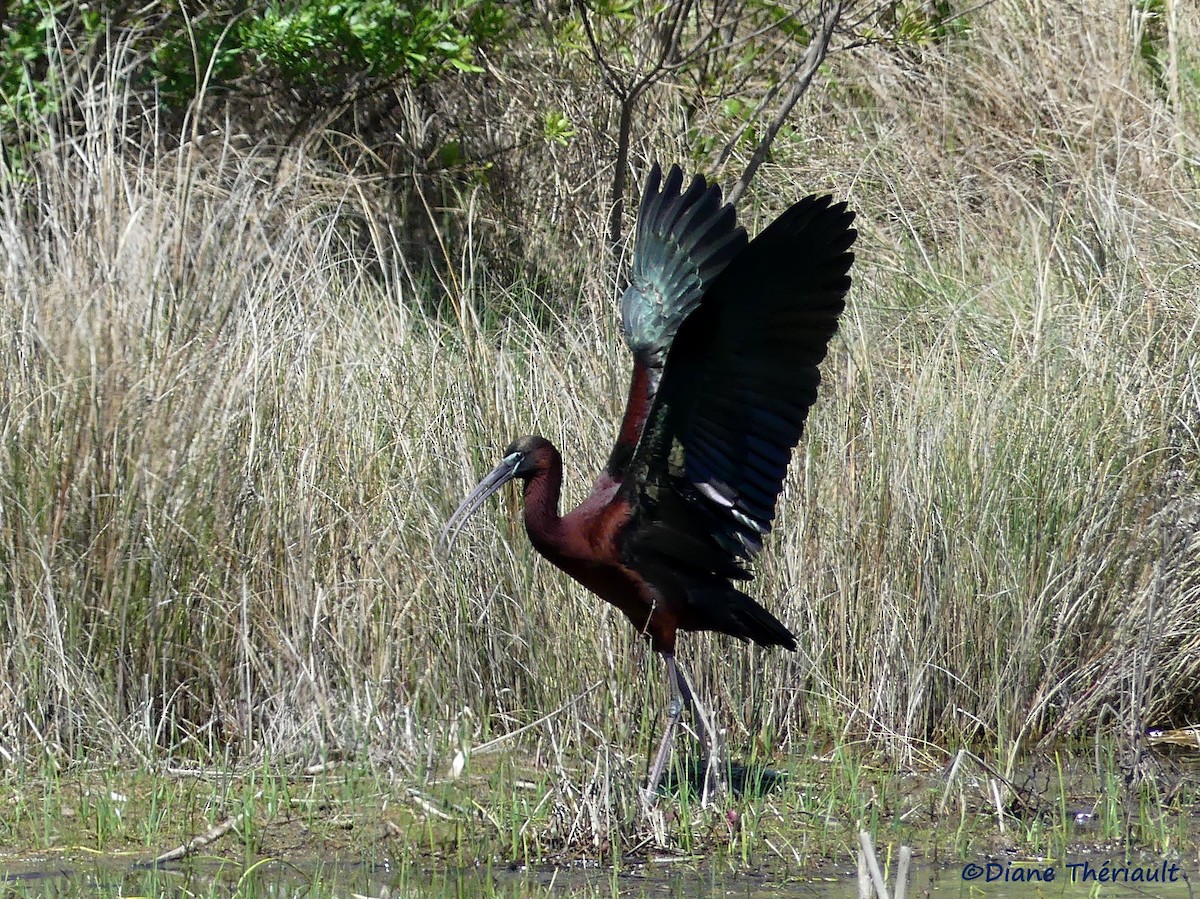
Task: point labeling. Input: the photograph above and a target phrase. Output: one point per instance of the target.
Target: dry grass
(231, 435)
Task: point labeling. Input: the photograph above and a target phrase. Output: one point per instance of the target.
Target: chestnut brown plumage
(726, 336)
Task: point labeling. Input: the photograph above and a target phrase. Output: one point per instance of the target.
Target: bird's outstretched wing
(684, 240)
(736, 386)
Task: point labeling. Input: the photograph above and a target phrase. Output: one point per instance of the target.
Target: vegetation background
(279, 281)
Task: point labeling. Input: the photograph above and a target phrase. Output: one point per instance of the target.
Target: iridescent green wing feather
(684, 240)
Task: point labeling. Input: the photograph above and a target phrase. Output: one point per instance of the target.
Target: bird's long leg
(674, 710)
(684, 688)
(684, 697)
(714, 756)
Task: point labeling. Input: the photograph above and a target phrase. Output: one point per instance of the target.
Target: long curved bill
(497, 478)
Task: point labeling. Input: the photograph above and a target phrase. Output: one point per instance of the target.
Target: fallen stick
(209, 836)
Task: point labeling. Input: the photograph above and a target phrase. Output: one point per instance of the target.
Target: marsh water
(272, 878)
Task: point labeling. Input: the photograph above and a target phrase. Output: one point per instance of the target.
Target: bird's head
(524, 457)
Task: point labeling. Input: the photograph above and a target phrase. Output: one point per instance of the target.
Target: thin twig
(503, 738)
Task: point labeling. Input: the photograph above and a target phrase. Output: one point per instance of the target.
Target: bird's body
(586, 544)
(726, 337)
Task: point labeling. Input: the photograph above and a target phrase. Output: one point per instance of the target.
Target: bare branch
(669, 37)
(813, 57)
(610, 77)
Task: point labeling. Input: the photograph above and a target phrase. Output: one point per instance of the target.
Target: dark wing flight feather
(738, 381)
(684, 240)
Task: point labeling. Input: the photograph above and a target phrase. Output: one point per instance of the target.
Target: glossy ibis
(726, 337)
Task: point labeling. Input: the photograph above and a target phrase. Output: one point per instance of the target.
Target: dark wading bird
(726, 337)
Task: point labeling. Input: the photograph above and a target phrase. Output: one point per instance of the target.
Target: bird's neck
(542, 492)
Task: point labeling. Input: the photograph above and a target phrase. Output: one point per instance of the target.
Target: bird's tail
(747, 620)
